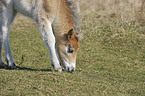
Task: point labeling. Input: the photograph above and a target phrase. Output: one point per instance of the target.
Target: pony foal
(62, 14)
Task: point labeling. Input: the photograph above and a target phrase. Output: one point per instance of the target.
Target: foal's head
(67, 50)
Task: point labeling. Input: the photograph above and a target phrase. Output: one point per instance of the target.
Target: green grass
(111, 60)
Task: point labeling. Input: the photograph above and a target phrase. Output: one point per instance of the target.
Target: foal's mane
(75, 15)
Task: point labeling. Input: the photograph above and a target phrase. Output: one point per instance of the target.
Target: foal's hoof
(3, 66)
(58, 69)
(12, 67)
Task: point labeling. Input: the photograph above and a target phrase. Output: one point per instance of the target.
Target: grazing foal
(62, 43)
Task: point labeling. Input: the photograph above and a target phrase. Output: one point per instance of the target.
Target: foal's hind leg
(2, 65)
(7, 16)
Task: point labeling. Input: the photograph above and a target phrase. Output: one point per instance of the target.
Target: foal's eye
(70, 50)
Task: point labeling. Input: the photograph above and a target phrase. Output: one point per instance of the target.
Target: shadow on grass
(25, 68)
(30, 69)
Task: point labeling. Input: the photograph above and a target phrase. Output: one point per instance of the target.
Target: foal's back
(30, 8)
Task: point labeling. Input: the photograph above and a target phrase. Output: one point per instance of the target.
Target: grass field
(111, 58)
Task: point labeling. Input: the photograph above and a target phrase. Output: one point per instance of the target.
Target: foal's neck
(63, 21)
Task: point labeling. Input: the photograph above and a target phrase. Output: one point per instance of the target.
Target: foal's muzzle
(69, 67)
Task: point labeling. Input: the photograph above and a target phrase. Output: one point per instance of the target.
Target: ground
(110, 61)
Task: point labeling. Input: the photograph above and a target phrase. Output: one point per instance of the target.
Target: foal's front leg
(49, 39)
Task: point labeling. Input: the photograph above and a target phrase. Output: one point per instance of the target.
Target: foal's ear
(70, 34)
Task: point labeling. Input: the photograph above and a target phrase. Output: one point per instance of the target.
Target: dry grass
(114, 5)
(127, 9)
